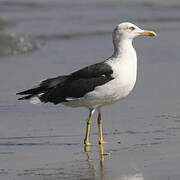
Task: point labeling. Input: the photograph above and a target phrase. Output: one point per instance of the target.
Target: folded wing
(75, 85)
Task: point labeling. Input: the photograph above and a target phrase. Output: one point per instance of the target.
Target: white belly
(109, 93)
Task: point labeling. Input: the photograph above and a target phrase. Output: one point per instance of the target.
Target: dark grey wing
(79, 83)
(91, 71)
(76, 85)
(74, 89)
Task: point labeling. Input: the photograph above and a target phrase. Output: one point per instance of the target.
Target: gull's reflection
(93, 170)
(101, 161)
(101, 154)
(137, 176)
(89, 159)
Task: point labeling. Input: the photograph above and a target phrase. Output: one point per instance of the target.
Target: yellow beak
(148, 33)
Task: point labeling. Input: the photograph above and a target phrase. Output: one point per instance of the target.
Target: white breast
(124, 73)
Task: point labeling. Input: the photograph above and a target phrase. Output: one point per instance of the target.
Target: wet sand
(45, 142)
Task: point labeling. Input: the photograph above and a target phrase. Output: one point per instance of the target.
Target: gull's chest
(124, 73)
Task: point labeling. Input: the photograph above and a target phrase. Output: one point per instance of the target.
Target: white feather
(35, 100)
(70, 99)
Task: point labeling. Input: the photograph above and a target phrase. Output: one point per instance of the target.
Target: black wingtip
(19, 93)
(25, 97)
(29, 91)
(20, 99)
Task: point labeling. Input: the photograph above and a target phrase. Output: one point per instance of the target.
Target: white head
(128, 30)
(123, 35)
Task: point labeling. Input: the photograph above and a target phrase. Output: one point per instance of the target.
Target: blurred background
(40, 39)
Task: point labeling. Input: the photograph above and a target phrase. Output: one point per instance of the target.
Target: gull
(96, 85)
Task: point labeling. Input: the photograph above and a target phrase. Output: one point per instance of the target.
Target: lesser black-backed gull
(96, 85)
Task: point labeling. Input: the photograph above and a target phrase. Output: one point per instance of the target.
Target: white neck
(125, 56)
(123, 47)
(124, 62)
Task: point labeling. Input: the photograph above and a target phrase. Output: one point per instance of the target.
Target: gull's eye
(132, 28)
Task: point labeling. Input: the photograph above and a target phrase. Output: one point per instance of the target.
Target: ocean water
(46, 141)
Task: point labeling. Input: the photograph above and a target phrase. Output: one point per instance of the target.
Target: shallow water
(46, 141)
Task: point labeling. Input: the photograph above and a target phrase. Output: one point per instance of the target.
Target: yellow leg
(100, 128)
(86, 140)
(101, 154)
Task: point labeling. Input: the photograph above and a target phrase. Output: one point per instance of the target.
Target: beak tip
(153, 34)
(149, 33)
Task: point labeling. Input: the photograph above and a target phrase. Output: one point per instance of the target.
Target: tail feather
(43, 88)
